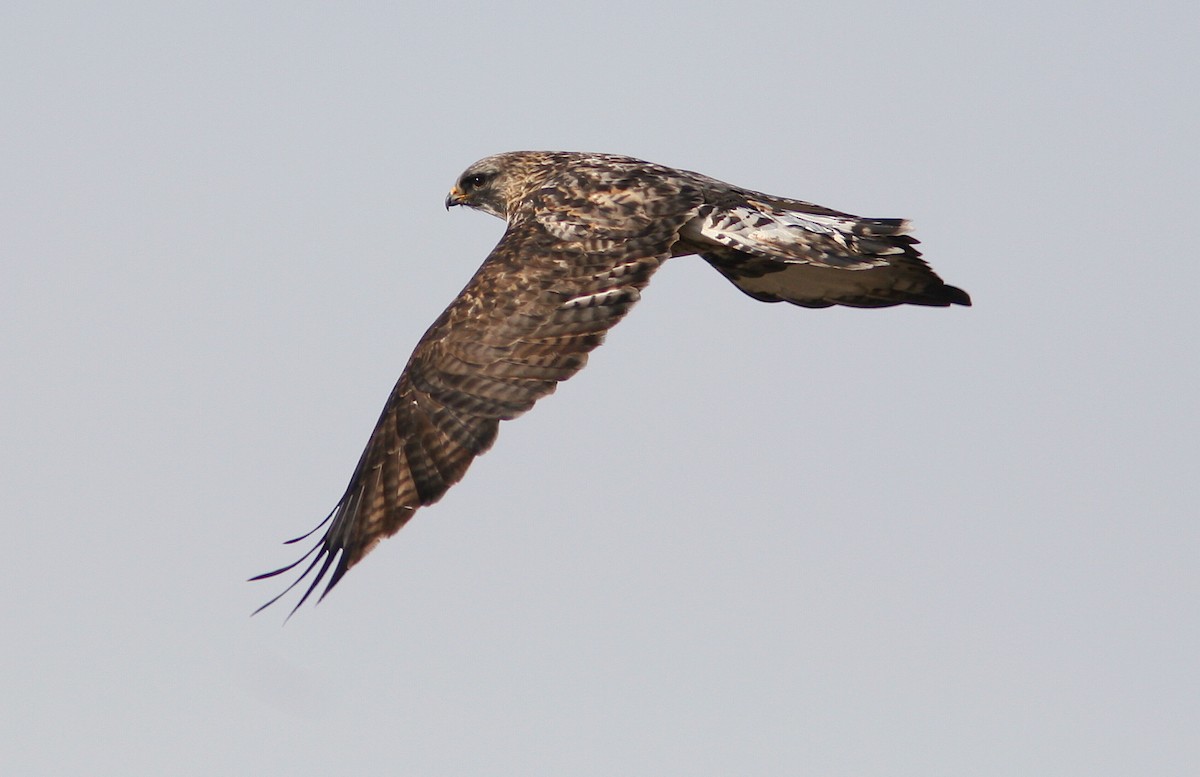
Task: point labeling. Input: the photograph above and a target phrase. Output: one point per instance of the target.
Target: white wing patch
(606, 297)
(820, 240)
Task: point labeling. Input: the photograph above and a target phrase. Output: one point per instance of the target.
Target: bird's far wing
(527, 320)
(777, 250)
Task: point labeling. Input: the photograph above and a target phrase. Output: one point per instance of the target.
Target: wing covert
(776, 250)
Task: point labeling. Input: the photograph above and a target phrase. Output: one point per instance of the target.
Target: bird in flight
(585, 233)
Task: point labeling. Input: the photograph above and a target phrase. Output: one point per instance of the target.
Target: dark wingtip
(324, 552)
(956, 296)
(326, 559)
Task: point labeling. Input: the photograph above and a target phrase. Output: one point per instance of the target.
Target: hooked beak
(456, 197)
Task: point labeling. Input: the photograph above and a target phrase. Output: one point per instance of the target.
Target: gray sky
(748, 539)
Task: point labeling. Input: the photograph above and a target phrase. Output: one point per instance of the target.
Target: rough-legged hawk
(585, 233)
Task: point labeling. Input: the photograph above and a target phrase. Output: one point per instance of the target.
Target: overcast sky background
(748, 539)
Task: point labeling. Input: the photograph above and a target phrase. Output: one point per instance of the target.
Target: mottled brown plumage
(585, 233)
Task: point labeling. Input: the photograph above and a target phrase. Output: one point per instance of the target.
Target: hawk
(585, 233)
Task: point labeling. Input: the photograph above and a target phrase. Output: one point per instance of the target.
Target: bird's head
(496, 184)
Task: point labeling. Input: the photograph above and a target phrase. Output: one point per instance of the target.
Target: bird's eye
(474, 181)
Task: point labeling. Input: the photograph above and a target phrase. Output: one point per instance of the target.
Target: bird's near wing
(777, 250)
(547, 294)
